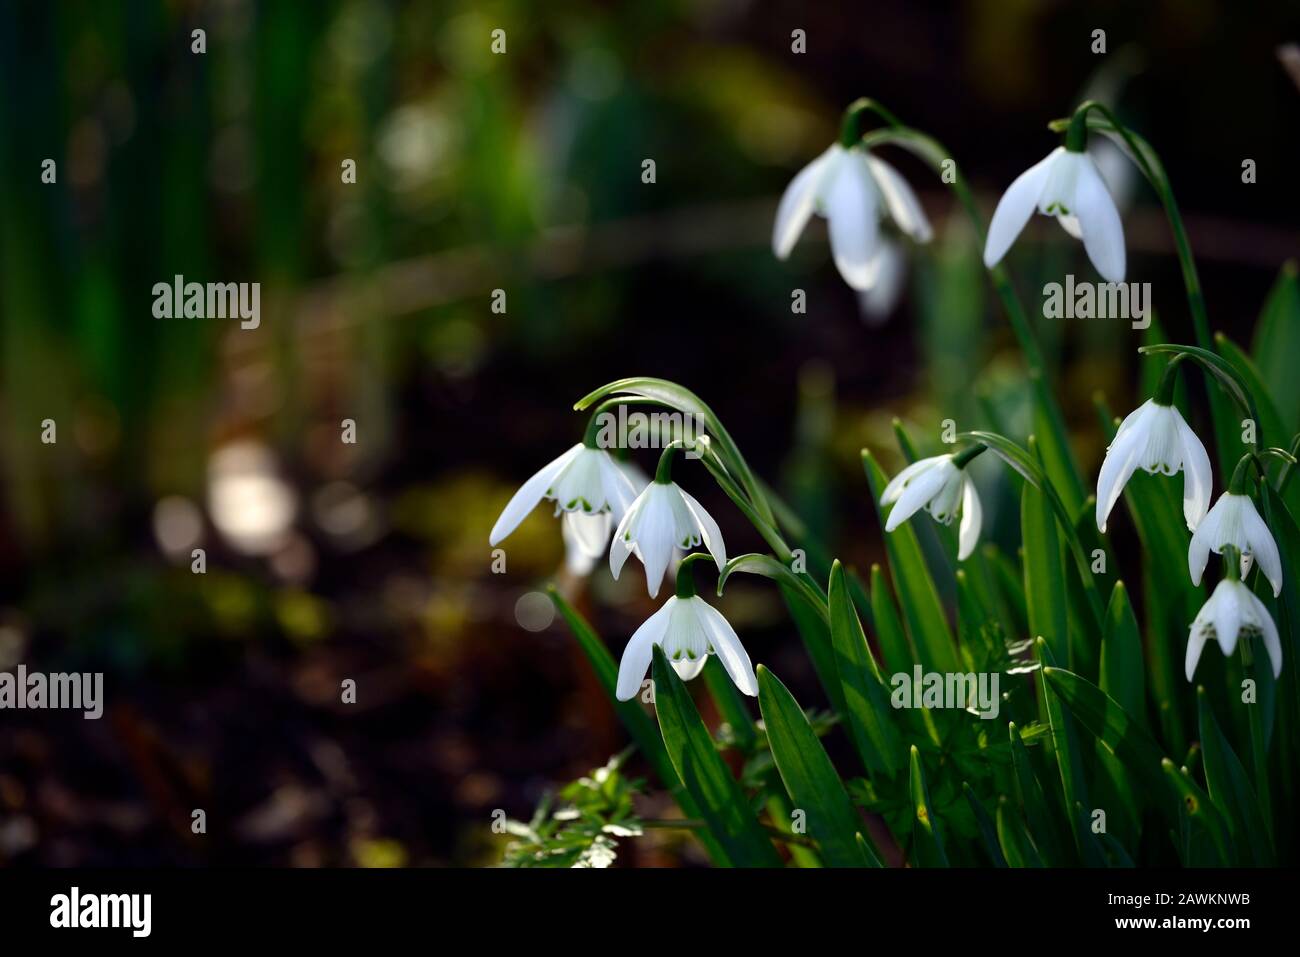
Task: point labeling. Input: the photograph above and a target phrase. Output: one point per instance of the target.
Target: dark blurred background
(329, 560)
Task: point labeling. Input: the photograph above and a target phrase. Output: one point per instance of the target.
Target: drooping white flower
(1069, 186)
(852, 190)
(1233, 611)
(661, 519)
(688, 629)
(586, 537)
(583, 479)
(1155, 438)
(1233, 521)
(944, 490)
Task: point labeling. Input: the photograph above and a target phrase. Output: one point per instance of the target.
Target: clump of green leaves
(579, 826)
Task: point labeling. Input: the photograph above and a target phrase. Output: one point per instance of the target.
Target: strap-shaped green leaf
(809, 776)
(870, 717)
(927, 837)
(1230, 789)
(722, 804)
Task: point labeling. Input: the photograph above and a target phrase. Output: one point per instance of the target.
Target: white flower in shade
(1234, 522)
(1155, 438)
(944, 490)
(852, 189)
(663, 518)
(583, 479)
(1233, 611)
(688, 629)
(1069, 186)
(586, 537)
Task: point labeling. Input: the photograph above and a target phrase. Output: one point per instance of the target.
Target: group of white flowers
(593, 491)
(854, 190)
(857, 193)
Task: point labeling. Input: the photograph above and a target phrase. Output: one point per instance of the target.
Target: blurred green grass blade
(927, 838)
(1042, 828)
(1122, 667)
(1010, 583)
(722, 804)
(1044, 572)
(988, 830)
(779, 811)
(1111, 725)
(894, 648)
(870, 717)
(1013, 838)
(815, 632)
(1277, 343)
(639, 724)
(808, 775)
(1230, 790)
(1207, 831)
(922, 611)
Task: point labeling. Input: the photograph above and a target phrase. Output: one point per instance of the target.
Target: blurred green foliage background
(328, 560)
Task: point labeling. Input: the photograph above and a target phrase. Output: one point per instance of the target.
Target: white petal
(619, 547)
(972, 517)
(619, 491)
(918, 493)
(1120, 463)
(585, 537)
(1268, 631)
(854, 219)
(1015, 207)
(1103, 233)
(640, 649)
(1198, 478)
(655, 536)
(1195, 644)
(896, 484)
(710, 534)
(729, 650)
(529, 494)
(904, 208)
(797, 205)
(1262, 546)
(687, 669)
(888, 270)
(1198, 551)
(1226, 613)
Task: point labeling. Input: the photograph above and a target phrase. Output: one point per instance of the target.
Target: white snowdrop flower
(688, 629)
(583, 479)
(1069, 186)
(852, 190)
(941, 486)
(1234, 522)
(1155, 438)
(663, 518)
(586, 537)
(1233, 611)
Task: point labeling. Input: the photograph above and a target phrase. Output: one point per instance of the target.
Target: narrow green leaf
(722, 804)
(987, 828)
(1045, 595)
(1207, 829)
(809, 776)
(1277, 343)
(889, 629)
(1111, 725)
(870, 717)
(1013, 838)
(1230, 789)
(927, 838)
(1121, 653)
(1037, 813)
